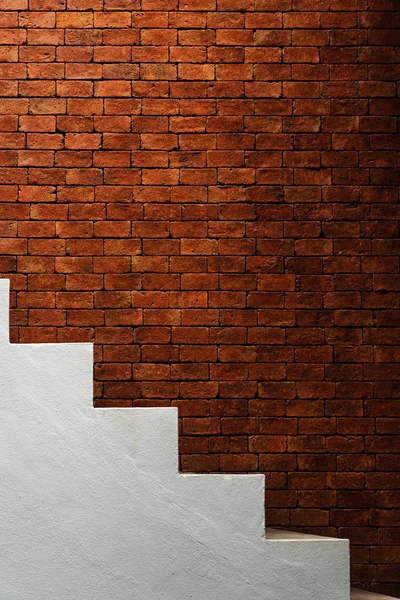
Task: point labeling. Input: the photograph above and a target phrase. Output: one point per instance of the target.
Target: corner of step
(294, 536)
(356, 594)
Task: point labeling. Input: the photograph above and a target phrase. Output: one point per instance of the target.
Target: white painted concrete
(93, 507)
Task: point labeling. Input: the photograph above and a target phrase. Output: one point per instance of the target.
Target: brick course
(207, 190)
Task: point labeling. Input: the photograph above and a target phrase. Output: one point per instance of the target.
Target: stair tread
(284, 535)
(364, 595)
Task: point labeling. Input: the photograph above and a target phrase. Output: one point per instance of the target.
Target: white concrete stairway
(93, 507)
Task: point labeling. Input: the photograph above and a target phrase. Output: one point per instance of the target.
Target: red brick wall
(207, 190)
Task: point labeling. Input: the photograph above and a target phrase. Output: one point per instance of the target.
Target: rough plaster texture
(93, 507)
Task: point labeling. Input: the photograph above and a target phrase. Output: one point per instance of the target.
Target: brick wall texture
(207, 189)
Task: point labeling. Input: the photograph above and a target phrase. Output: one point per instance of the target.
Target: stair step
(282, 535)
(364, 595)
(295, 536)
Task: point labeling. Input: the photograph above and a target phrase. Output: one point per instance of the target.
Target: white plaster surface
(93, 507)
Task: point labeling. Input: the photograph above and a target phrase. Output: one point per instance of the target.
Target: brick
(209, 193)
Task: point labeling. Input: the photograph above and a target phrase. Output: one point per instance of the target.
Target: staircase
(93, 506)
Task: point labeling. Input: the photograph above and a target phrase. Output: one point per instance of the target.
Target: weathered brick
(209, 192)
